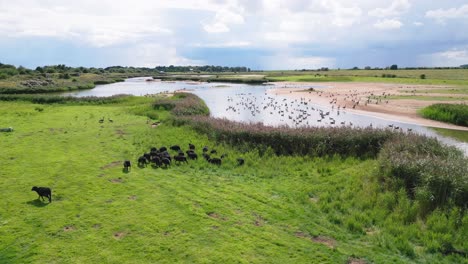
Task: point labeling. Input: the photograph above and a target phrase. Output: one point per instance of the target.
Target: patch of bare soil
(313, 199)
(118, 180)
(327, 241)
(216, 216)
(155, 124)
(356, 261)
(259, 220)
(112, 164)
(119, 235)
(213, 215)
(68, 228)
(133, 197)
(120, 132)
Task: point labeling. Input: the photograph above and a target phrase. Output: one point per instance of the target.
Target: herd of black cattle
(157, 158)
(161, 157)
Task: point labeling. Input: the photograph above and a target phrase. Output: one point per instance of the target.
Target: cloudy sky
(260, 34)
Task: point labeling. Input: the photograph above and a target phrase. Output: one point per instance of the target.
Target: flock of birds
(296, 112)
(302, 112)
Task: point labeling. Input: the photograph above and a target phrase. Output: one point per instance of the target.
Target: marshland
(323, 193)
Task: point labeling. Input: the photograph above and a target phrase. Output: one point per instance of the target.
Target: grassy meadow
(274, 209)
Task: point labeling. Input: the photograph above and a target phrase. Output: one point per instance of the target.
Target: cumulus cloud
(223, 18)
(441, 15)
(448, 58)
(388, 24)
(229, 44)
(291, 62)
(396, 8)
(151, 55)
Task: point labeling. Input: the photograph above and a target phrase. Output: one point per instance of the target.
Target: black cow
(43, 191)
(162, 149)
(157, 161)
(192, 155)
(127, 165)
(142, 161)
(205, 149)
(216, 161)
(240, 161)
(191, 146)
(175, 147)
(166, 162)
(179, 159)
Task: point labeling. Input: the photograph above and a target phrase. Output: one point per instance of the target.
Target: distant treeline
(7, 70)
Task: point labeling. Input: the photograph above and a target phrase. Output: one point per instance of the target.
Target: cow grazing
(191, 146)
(127, 165)
(142, 161)
(192, 155)
(166, 162)
(175, 147)
(216, 161)
(43, 191)
(157, 161)
(240, 161)
(179, 159)
(205, 149)
(162, 149)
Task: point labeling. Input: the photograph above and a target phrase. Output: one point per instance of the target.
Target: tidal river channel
(253, 103)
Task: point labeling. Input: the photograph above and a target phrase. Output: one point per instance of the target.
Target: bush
(433, 174)
(182, 104)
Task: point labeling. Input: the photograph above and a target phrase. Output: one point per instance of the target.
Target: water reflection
(253, 103)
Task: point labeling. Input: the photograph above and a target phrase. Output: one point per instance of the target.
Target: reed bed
(432, 174)
(451, 113)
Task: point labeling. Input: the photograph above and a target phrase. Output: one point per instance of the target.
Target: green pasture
(274, 209)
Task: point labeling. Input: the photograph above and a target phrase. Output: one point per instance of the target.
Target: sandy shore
(372, 99)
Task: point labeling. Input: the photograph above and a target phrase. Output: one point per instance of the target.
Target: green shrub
(433, 174)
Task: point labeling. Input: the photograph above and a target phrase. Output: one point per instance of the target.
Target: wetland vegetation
(321, 195)
(293, 207)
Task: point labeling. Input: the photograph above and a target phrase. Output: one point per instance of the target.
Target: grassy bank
(274, 209)
(431, 76)
(451, 113)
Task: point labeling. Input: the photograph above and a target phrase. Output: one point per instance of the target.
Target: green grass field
(287, 209)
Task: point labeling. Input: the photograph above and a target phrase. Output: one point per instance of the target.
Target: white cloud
(223, 18)
(229, 44)
(290, 62)
(440, 15)
(151, 55)
(418, 24)
(388, 24)
(449, 58)
(397, 8)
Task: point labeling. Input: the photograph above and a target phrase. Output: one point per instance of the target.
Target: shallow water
(253, 103)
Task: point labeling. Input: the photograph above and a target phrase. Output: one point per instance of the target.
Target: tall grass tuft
(434, 175)
(451, 113)
(182, 104)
